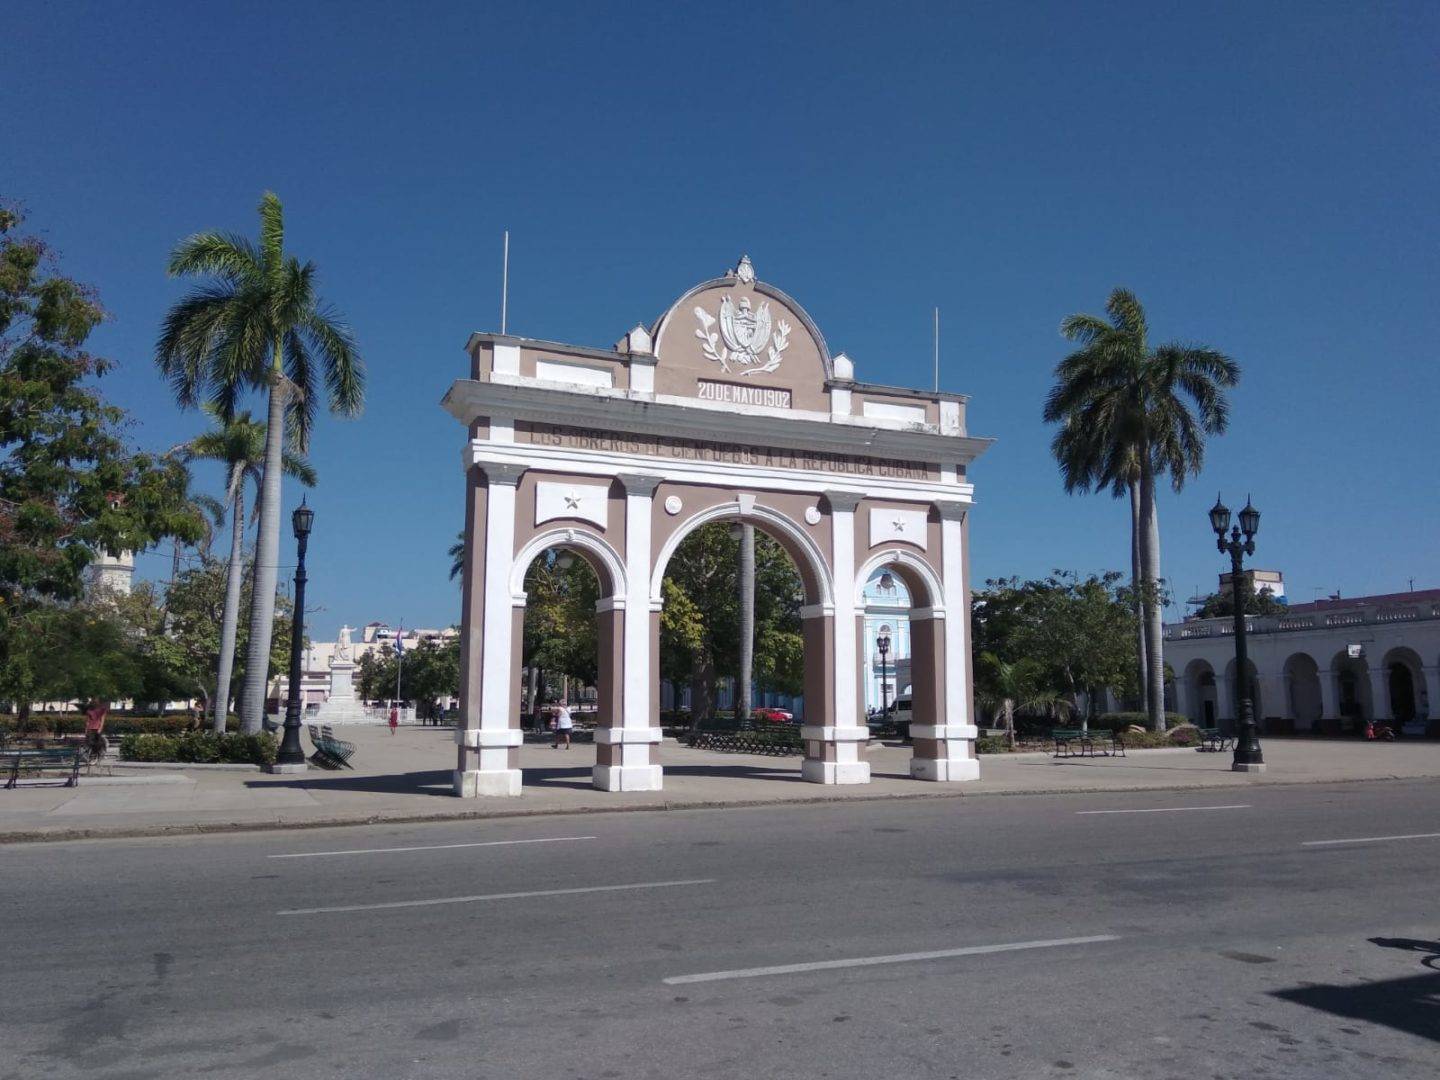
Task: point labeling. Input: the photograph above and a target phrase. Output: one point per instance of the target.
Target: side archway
(593, 548)
(1302, 683)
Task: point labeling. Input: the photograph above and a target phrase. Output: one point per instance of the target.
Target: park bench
(778, 742)
(330, 752)
(1212, 739)
(1076, 742)
(41, 759)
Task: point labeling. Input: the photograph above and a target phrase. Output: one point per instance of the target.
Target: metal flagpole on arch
(505, 284)
(399, 661)
(937, 350)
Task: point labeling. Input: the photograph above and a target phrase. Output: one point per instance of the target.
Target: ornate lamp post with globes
(291, 757)
(1248, 757)
(882, 646)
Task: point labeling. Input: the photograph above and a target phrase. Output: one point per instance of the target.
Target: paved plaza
(407, 776)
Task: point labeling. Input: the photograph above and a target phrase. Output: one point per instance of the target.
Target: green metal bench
(42, 759)
(330, 752)
(1076, 742)
(1212, 739)
(778, 742)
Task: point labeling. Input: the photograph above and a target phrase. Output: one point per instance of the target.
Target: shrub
(42, 723)
(992, 744)
(1113, 720)
(200, 748)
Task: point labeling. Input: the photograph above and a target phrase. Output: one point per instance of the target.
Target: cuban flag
(399, 642)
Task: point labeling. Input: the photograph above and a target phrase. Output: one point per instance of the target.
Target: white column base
(945, 769)
(835, 772)
(473, 783)
(1247, 766)
(629, 777)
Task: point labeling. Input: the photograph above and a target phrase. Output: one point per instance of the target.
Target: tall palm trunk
(1150, 567)
(747, 620)
(220, 700)
(267, 557)
(1136, 577)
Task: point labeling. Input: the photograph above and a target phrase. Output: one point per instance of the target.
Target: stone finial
(744, 272)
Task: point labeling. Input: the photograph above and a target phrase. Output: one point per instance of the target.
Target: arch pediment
(736, 338)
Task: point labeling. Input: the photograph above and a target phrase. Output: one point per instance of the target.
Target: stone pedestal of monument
(341, 707)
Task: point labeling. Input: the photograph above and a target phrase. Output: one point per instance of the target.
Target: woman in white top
(564, 724)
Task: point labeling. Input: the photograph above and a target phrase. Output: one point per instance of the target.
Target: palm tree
(747, 621)
(256, 323)
(239, 444)
(1006, 687)
(1127, 417)
(457, 556)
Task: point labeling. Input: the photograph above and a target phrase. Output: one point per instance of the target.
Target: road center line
(870, 961)
(1370, 839)
(1165, 809)
(428, 847)
(496, 896)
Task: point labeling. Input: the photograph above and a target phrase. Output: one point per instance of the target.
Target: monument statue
(343, 650)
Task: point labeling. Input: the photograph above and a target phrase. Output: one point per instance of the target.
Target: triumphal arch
(730, 407)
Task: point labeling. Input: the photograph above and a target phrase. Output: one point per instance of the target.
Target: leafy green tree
(70, 486)
(561, 635)
(237, 443)
(701, 621)
(1006, 686)
(1079, 630)
(428, 672)
(256, 323)
(1130, 412)
(70, 652)
(1222, 604)
(194, 618)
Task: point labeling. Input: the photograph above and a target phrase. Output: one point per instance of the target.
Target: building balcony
(1361, 615)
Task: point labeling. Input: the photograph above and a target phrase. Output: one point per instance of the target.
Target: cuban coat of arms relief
(746, 338)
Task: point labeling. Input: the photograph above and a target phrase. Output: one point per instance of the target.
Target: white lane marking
(495, 896)
(899, 958)
(428, 847)
(1370, 839)
(1166, 809)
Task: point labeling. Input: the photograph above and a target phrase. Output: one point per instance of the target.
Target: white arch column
(624, 755)
(1380, 705)
(491, 737)
(839, 740)
(1182, 696)
(945, 751)
(1432, 691)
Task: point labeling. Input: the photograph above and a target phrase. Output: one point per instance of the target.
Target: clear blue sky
(1264, 176)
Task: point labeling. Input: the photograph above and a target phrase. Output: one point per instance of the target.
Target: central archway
(832, 751)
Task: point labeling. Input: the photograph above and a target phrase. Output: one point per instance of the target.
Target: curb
(182, 766)
(34, 836)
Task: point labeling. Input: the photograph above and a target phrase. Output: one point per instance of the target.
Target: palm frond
(334, 343)
(296, 466)
(300, 405)
(1126, 311)
(272, 234)
(225, 255)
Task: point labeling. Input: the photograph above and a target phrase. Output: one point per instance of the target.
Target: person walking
(564, 724)
(394, 717)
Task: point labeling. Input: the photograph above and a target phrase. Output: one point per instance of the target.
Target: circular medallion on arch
(812, 515)
(673, 505)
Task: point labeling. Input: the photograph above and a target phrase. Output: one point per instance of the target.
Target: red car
(773, 716)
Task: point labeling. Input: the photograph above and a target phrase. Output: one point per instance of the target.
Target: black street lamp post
(882, 646)
(291, 757)
(1248, 757)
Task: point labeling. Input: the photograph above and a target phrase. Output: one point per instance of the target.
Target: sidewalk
(407, 777)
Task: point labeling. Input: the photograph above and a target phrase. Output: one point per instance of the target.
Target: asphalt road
(1227, 940)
